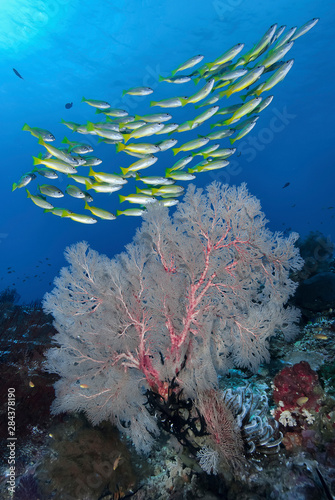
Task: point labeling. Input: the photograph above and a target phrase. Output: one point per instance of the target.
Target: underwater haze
(63, 50)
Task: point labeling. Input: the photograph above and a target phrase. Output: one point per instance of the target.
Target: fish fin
(183, 101)
(90, 126)
(120, 147)
(122, 198)
(175, 150)
(37, 161)
(124, 170)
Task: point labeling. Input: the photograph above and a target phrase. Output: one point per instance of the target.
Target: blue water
(65, 50)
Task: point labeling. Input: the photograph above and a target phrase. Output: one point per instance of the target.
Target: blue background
(69, 49)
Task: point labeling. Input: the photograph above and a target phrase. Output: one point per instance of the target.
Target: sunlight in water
(22, 21)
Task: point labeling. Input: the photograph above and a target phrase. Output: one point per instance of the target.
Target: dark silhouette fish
(69, 105)
(18, 74)
(285, 185)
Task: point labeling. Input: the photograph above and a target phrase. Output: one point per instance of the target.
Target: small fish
(190, 145)
(50, 190)
(285, 185)
(39, 132)
(24, 180)
(70, 125)
(58, 165)
(154, 117)
(137, 212)
(144, 131)
(137, 198)
(220, 153)
(229, 109)
(116, 463)
(171, 190)
(168, 128)
(220, 135)
(39, 201)
(55, 211)
(248, 107)
(99, 212)
(77, 147)
(208, 102)
(96, 104)
(18, 74)
(58, 153)
(199, 96)
(179, 176)
(106, 177)
(227, 56)
(142, 148)
(320, 336)
(246, 81)
(244, 131)
(154, 180)
(190, 63)
(69, 105)
(74, 191)
(277, 77)
(84, 219)
(138, 91)
(173, 102)
(176, 79)
(103, 187)
(115, 112)
(168, 202)
(206, 115)
(167, 144)
(302, 400)
(31, 384)
(306, 27)
(181, 163)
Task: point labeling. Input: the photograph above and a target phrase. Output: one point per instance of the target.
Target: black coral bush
(193, 295)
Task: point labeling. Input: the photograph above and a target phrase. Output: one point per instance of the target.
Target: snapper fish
(96, 104)
(138, 91)
(24, 181)
(39, 132)
(190, 63)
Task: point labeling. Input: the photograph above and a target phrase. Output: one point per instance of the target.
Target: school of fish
(218, 80)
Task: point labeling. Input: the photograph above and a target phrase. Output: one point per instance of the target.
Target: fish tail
(26, 127)
(174, 72)
(124, 92)
(190, 123)
(28, 194)
(232, 141)
(66, 141)
(137, 177)
(124, 170)
(40, 141)
(183, 101)
(119, 212)
(37, 161)
(197, 80)
(91, 172)
(47, 210)
(87, 185)
(243, 97)
(126, 137)
(161, 79)
(122, 198)
(153, 103)
(175, 150)
(90, 126)
(83, 99)
(14, 186)
(87, 205)
(120, 147)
